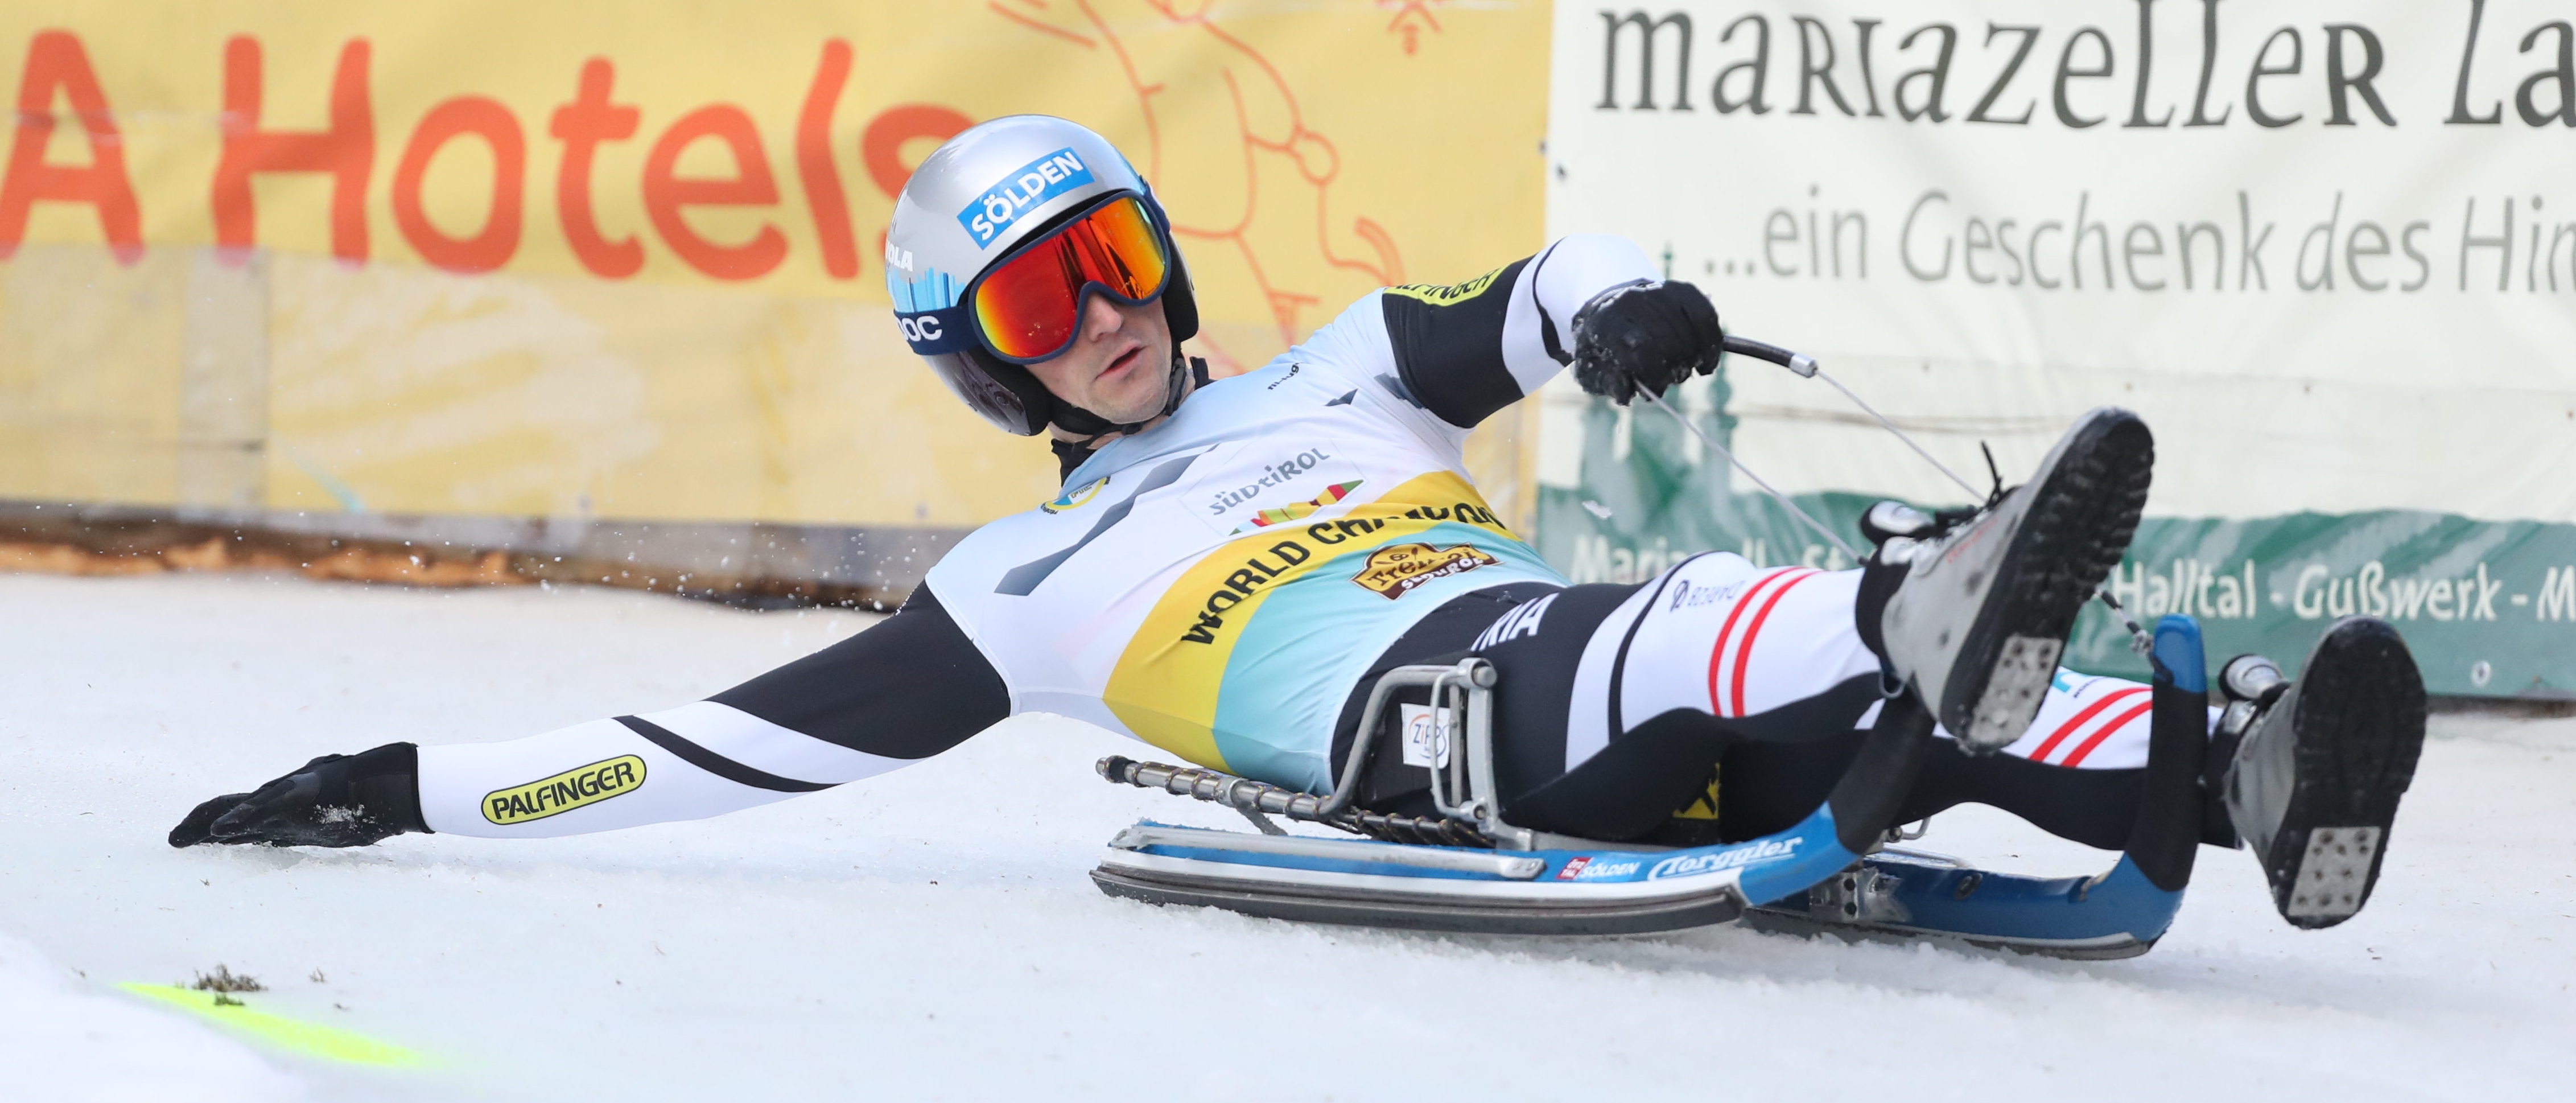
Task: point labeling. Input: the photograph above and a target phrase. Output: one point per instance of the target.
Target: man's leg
(1969, 615)
(1616, 702)
(1765, 670)
(2074, 773)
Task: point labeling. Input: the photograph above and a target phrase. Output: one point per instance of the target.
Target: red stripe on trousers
(2068, 728)
(1753, 631)
(2077, 758)
(1717, 655)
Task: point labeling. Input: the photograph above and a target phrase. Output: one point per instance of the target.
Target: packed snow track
(931, 934)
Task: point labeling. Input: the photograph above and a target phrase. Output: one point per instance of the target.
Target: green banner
(2489, 608)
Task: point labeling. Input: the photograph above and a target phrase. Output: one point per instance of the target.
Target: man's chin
(1144, 400)
(1140, 410)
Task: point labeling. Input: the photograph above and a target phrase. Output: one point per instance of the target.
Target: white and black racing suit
(1223, 586)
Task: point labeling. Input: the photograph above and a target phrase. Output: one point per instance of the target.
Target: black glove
(334, 800)
(1645, 336)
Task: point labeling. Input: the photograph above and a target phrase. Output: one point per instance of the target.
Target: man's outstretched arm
(1591, 301)
(901, 691)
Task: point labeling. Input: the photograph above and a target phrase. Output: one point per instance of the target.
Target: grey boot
(2317, 766)
(1978, 622)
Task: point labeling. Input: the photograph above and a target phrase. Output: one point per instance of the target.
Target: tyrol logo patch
(1397, 569)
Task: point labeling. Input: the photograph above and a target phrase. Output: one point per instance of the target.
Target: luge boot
(1983, 610)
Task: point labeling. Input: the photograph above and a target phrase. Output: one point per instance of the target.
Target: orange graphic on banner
(1411, 17)
(507, 259)
(346, 150)
(345, 147)
(1251, 177)
(56, 63)
(492, 245)
(1267, 121)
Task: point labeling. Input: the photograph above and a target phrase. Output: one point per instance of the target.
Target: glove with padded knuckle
(334, 800)
(1644, 337)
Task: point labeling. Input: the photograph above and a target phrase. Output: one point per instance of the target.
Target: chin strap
(1187, 373)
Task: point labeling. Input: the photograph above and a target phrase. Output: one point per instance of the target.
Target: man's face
(1118, 366)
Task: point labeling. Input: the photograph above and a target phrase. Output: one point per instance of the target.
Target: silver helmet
(973, 201)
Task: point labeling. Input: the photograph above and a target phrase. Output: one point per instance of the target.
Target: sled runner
(1905, 894)
(1470, 870)
(1902, 893)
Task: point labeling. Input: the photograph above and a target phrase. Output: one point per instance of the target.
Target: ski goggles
(1028, 307)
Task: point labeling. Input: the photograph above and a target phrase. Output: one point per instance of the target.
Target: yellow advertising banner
(620, 260)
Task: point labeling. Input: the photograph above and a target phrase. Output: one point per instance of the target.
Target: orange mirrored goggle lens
(1030, 307)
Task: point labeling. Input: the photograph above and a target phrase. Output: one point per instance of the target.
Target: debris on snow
(225, 980)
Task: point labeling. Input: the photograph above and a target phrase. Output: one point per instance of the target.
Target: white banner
(2326, 247)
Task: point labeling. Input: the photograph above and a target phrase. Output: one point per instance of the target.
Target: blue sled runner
(1468, 870)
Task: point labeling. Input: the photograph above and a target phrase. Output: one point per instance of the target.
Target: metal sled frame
(1907, 894)
(1528, 882)
(1805, 880)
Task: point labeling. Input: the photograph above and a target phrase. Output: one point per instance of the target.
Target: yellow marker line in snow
(310, 1039)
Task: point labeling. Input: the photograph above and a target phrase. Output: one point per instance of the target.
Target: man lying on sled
(1230, 563)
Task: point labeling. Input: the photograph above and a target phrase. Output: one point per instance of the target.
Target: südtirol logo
(564, 792)
(1397, 569)
(1276, 473)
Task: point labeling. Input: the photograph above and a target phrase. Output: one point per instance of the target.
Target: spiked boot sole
(2359, 727)
(2079, 523)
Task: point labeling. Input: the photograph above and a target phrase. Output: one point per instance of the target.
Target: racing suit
(1224, 585)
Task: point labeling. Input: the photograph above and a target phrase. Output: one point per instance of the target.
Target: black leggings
(1772, 768)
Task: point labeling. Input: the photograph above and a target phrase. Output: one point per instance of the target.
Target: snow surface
(930, 934)
(61, 1044)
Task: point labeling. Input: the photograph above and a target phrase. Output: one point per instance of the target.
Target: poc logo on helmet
(933, 332)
